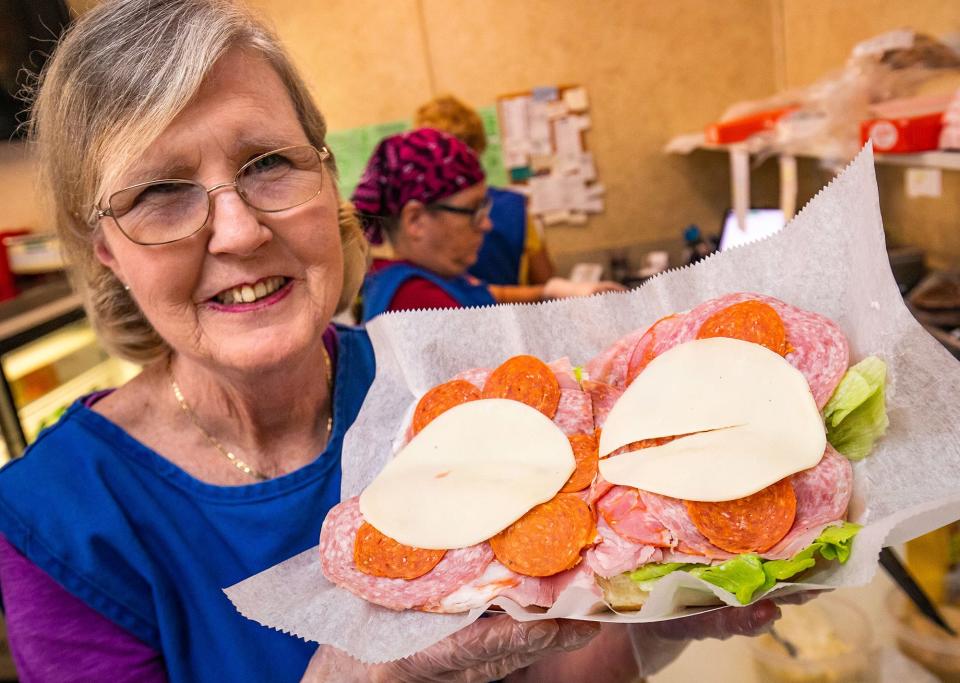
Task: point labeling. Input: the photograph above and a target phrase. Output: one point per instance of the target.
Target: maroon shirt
(416, 292)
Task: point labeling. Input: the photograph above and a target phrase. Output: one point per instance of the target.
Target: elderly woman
(425, 189)
(198, 205)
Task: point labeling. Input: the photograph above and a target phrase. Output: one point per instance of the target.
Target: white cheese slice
(469, 474)
(750, 414)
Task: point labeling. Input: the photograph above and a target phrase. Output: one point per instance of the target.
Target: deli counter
(49, 357)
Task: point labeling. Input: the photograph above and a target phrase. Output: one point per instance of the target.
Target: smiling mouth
(248, 294)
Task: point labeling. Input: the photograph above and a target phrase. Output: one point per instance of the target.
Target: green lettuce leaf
(578, 373)
(655, 571)
(746, 575)
(741, 575)
(856, 414)
(834, 543)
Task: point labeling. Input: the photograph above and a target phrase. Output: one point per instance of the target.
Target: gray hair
(117, 79)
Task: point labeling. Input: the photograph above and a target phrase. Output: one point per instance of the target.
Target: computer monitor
(760, 223)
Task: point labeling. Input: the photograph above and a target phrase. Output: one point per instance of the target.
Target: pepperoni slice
(745, 525)
(548, 539)
(525, 379)
(379, 555)
(643, 443)
(752, 321)
(586, 451)
(442, 398)
(647, 348)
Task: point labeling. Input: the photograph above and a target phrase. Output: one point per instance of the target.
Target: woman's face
(448, 241)
(190, 290)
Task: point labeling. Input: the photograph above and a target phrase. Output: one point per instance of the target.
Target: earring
(126, 288)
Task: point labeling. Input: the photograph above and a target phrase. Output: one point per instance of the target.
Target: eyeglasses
(169, 210)
(477, 215)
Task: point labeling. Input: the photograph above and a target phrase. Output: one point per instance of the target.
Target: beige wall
(653, 69)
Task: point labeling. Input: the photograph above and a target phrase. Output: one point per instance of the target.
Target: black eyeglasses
(169, 210)
(477, 215)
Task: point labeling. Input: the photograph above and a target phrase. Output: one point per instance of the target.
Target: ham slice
(625, 513)
(543, 591)
(616, 554)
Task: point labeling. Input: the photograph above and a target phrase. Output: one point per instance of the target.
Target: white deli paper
(830, 259)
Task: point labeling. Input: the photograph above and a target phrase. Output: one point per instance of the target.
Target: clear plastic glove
(624, 652)
(561, 288)
(657, 644)
(485, 650)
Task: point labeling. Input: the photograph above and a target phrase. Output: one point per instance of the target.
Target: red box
(736, 130)
(903, 135)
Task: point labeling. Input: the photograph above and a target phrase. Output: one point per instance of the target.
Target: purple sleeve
(54, 636)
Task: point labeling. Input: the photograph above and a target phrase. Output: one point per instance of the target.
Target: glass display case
(49, 356)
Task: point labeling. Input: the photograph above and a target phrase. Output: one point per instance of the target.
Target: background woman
(514, 252)
(425, 191)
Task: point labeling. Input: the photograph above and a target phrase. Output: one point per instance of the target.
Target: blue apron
(148, 546)
(498, 261)
(379, 288)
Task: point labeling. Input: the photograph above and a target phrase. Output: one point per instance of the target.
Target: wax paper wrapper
(830, 259)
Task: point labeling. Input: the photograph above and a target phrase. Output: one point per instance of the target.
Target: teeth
(247, 294)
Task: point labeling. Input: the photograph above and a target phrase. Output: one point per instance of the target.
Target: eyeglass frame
(322, 154)
(484, 207)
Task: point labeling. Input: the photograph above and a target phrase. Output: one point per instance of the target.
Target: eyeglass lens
(169, 210)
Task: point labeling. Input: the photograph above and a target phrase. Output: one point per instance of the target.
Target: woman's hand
(561, 288)
(624, 652)
(485, 650)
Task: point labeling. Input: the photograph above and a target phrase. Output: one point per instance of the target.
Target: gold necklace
(237, 462)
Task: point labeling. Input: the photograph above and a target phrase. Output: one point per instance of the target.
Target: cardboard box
(737, 130)
(903, 135)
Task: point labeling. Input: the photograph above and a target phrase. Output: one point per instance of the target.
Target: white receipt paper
(831, 259)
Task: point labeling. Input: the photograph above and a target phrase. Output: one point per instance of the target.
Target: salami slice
(823, 495)
(602, 399)
(457, 567)
(574, 413)
(623, 510)
(823, 492)
(610, 367)
(379, 555)
(586, 454)
(548, 539)
(655, 341)
(751, 524)
(440, 399)
(525, 379)
(751, 321)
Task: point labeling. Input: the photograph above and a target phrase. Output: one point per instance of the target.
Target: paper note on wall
(566, 132)
(576, 99)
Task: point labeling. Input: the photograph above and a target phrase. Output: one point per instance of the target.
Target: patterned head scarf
(424, 165)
